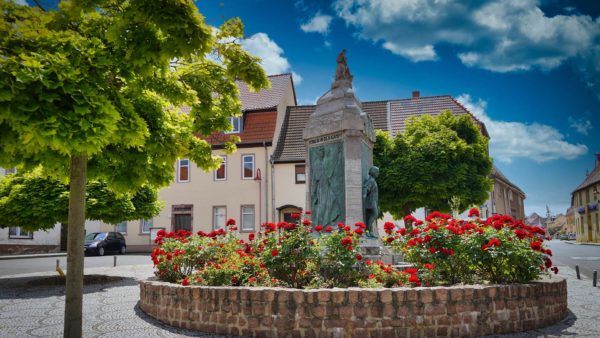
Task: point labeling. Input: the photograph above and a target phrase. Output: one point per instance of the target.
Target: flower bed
(286, 279)
(444, 251)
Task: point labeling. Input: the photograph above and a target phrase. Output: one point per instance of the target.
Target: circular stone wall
(472, 310)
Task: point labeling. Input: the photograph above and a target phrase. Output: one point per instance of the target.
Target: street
(586, 256)
(31, 265)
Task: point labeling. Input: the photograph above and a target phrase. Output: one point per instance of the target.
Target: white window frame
(224, 163)
(244, 166)
(149, 221)
(244, 228)
(117, 227)
(215, 215)
(19, 233)
(236, 123)
(179, 166)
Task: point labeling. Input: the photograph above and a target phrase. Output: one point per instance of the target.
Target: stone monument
(339, 139)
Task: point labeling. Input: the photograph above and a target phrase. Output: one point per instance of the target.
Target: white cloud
(500, 36)
(21, 2)
(271, 54)
(582, 125)
(514, 140)
(317, 24)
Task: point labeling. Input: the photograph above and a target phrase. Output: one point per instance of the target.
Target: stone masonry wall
(400, 312)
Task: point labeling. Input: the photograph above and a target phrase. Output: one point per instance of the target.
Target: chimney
(597, 160)
(416, 94)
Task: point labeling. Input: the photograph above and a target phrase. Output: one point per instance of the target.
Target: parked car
(102, 242)
(563, 237)
(572, 236)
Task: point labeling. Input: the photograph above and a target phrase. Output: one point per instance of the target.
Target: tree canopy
(435, 160)
(35, 202)
(107, 79)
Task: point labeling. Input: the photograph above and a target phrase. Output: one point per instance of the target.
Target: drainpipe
(266, 182)
(272, 190)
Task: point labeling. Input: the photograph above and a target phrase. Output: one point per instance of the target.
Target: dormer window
(236, 122)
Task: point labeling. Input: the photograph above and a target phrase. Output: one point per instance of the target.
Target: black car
(102, 242)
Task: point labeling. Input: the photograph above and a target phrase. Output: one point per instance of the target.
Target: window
(17, 232)
(221, 173)
(146, 224)
(219, 217)
(247, 218)
(236, 122)
(183, 170)
(181, 217)
(300, 174)
(121, 227)
(247, 167)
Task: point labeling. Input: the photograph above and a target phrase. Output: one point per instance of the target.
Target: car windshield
(95, 236)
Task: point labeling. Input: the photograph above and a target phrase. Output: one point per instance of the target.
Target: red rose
(432, 250)
(537, 246)
(360, 225)
(389, 239)
(409, 219)
(230, 221)
(274, 252)
(295, 216)
(359, 257)
(185, 282)
(428, 266)
(306, 222)
(308, 212)
(412, 271)
(318, 228)
(474, 212)
(328, 229)
(346, 241)
(251, 237)
(548, 252)
(359, 231)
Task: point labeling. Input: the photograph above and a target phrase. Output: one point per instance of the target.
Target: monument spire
(342, 72)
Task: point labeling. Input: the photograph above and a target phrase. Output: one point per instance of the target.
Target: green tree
(34, 202)
(436, 160)
(92, 90)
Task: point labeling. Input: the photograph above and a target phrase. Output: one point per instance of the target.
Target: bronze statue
(371, 201)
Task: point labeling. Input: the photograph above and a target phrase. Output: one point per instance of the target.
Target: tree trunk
(75, 254)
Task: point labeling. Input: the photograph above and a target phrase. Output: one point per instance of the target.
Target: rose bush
(443, 251)
(496, 250)
(283, 254)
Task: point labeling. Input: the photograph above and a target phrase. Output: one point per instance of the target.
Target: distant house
(506, 198)
(584, 202)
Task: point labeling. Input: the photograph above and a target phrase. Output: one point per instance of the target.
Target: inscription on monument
(325, 138)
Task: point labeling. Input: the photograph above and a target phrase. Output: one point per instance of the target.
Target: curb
(60, 254)
(584, 243)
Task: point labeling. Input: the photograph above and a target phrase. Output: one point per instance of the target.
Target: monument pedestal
(373, 249)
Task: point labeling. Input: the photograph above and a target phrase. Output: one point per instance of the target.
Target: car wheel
(123, 249)
(101, 251)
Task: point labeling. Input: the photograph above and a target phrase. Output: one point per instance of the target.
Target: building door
(590, 228)
(63, 236)
(182, 217)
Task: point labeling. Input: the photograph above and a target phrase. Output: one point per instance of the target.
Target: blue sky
(529, 69)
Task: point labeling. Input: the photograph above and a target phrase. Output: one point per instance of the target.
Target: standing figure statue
(342, 72)
(371, 201)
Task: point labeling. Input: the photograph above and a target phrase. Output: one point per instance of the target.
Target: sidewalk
(110, 308)
(579, 243)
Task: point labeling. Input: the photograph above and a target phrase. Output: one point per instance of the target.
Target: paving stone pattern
(111, 308)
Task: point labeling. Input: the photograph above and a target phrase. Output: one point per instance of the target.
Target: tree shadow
(35, 287)
(172, 329)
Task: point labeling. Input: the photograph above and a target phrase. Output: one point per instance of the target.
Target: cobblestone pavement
(28, 309)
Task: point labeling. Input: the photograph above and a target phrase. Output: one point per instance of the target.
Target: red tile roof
(259, 126)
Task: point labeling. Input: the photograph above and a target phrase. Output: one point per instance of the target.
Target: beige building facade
(585, 201)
